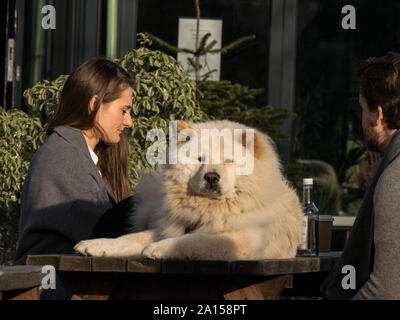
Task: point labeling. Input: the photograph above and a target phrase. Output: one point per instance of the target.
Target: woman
(80, 171)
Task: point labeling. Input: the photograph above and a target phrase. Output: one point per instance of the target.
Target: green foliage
(44, 97)
(203, 49)
(20, 137)
(163, 93)
(224, 100)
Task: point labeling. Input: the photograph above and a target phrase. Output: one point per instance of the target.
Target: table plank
(177, 266)
(75, 263)
(212, 267)
(263, 267)
(270, 288)
(306, 264)
(20, 277)
(108, 264)
(143, 265)
(173, 266)
(247, 293)
(143, 278)
(44, 259)
(329, 260)
(282, 266)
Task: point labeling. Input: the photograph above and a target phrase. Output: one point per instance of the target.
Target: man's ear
(379, 115)
(92, 102)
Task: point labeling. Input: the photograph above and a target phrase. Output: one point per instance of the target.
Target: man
(373, 248)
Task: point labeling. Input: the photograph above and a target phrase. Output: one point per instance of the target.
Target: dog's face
(213, 175)
(208, 159)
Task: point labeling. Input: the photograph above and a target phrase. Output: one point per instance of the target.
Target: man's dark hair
(380, 86)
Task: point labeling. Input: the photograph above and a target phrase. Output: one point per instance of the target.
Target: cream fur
(257, 216)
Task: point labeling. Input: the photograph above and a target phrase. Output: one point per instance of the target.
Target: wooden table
(20, 282)
(141, 278)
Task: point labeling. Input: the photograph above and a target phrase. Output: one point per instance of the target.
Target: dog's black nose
(212, 177)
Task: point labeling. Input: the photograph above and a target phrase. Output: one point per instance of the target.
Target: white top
(95, 158)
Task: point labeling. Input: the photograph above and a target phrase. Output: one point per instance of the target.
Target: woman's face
(115, 116)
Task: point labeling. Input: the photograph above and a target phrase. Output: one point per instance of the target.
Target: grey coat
(63, 196)
(374, 244)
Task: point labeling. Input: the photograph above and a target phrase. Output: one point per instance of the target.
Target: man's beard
(372, 140)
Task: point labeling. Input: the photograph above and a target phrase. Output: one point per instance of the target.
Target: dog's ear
(181, 126)
(256, 141)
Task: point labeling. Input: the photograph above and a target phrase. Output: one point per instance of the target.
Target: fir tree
(224, 99)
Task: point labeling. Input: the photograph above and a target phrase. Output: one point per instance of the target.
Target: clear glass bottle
(309, 233)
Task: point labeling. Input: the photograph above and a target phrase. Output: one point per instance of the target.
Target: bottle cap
(307, 182)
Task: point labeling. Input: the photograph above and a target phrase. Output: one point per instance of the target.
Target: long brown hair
(107, 80)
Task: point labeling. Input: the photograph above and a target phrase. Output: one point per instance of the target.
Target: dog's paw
(159, 250)
(96, 247)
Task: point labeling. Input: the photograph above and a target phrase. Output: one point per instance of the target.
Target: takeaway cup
(325, 232)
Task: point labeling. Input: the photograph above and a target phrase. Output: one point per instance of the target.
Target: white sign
(187, 40)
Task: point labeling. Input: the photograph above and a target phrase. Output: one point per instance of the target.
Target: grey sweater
(373, 248)
(63, 196)
(384, 281)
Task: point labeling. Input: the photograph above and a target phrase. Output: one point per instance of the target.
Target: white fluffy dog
(206, 210)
